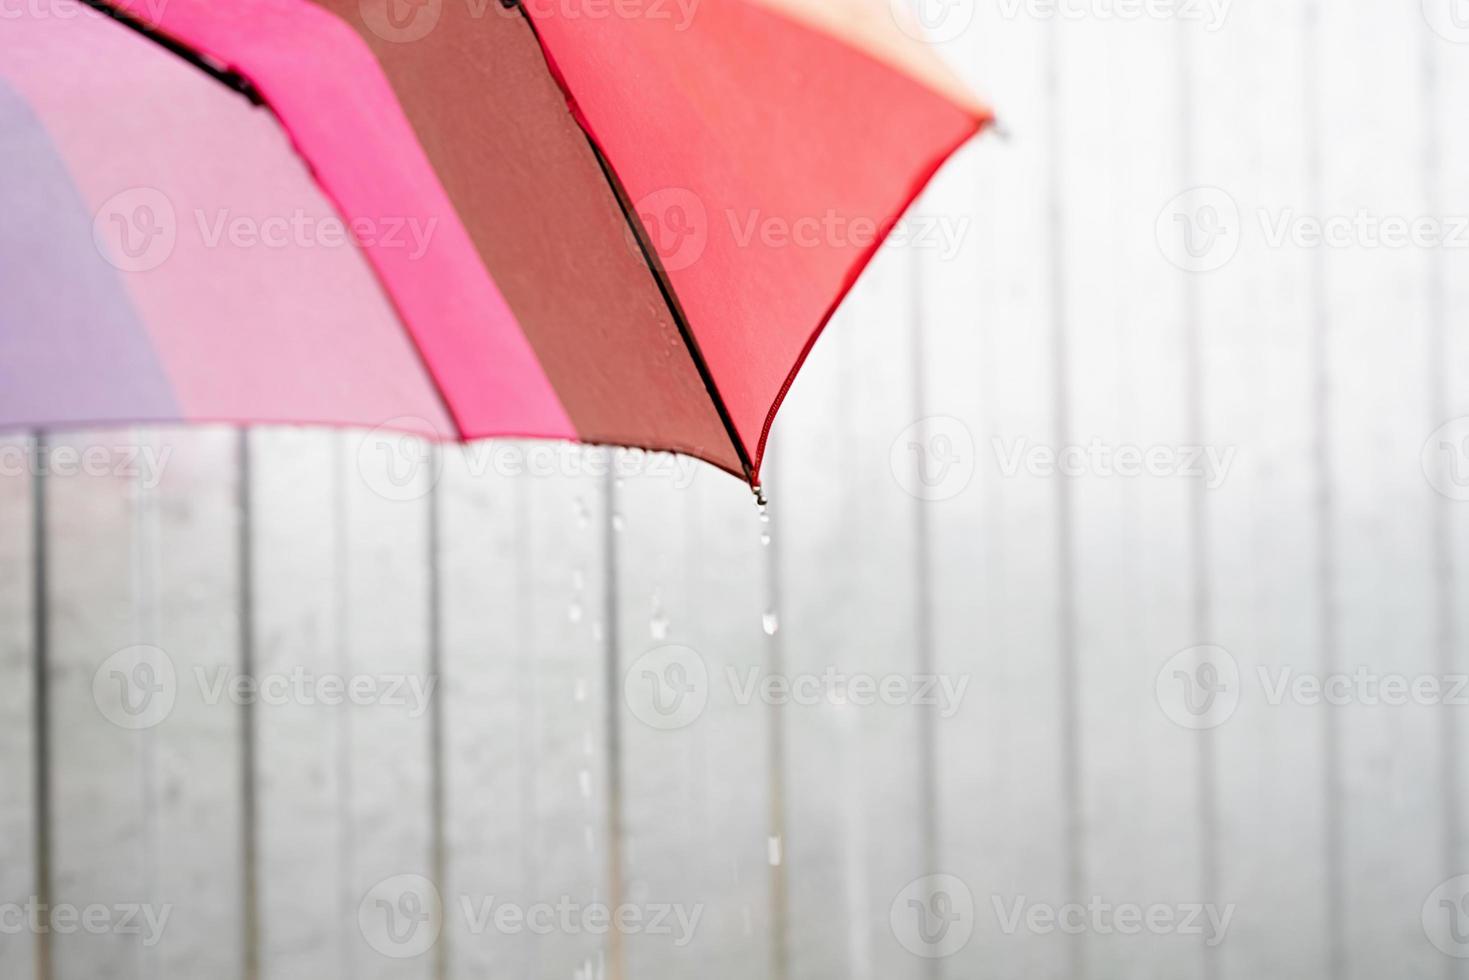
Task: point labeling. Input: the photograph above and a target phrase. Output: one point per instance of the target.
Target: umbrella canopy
(617, 221)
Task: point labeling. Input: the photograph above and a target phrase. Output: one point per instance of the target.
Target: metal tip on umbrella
(1001, 131)
(760, 496)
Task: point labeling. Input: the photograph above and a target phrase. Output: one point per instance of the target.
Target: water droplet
(578, 579)
(574, 612)
(584, 779)
(583, 517)
(618, 523)
(590, 839)
(581, 691)
(658, 622)
(765, 537)
(773, 851)
(597, 631)
(770, 622)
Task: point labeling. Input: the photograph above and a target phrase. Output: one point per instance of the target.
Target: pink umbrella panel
(447, 217)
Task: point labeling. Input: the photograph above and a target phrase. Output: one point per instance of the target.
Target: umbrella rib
(223, 73)
(660, 275)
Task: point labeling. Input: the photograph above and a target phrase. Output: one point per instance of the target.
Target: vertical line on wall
(612, 684)
(1072, 843)
(1334, 899)
(1441, 525)
(145, 576)
(41, 702)
(1202, 624)
(923, 611)
(250, 810)
(438, 855)
(775, 749)
(341, 571)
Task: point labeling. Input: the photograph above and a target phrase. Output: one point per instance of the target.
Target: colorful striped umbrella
(615, 221)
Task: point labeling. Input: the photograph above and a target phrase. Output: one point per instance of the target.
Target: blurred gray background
(1109, 621)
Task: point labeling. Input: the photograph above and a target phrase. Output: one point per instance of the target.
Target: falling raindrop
(584, 778)
(773, 851)
(583, 517)
(658, 622)
(581, 691)
(574, 611)
(770, 621)
(618, 523)
(597, 631)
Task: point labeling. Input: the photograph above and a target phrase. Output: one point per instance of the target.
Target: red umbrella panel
(614, 221)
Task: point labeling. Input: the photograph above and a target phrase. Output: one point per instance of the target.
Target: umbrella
(613, 221)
